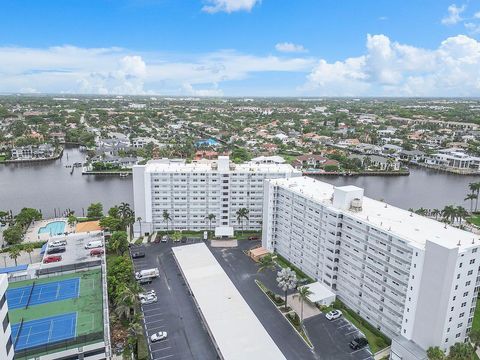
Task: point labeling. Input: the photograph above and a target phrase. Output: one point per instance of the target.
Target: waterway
(49, 186)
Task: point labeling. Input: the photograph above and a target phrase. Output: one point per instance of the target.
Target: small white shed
(321, 294)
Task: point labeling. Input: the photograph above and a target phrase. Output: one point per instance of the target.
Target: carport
(321, 294)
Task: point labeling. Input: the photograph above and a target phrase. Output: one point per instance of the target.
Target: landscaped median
(288, 313)
(376, 339)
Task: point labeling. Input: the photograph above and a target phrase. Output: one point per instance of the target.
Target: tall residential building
(189, 192)
(6, 345)
(413, 278)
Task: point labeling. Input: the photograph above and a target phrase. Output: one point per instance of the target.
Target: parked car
(52, 258)
(146, 294)
(162, 335)
(138, 254)
(254, 237)
(150, 299)
(358, 343)
(96, 252)
(144, 281)
(165, 238)
(57, 243)
(184, 239)
(94, 244)
(334, 314)
(55, 250)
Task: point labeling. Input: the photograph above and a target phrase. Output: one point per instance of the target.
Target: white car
(334, 314)
(150, 299)
(57, 243)
(146, 294)
(162, 335)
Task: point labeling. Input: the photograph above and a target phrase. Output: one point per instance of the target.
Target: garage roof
(234, 327)
(319, 292)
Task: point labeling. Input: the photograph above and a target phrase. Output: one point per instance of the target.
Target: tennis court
(43, 293)
(44, 331)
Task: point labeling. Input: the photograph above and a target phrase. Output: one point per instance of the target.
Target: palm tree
(210, 218)
(166, 217)
(125, 302)
(475, 189)
(471, 197)
(135, 330)
(461, 213)
(303, 293)
(242, 214)
(435, 213)
(14, 253)
(449, 213)
(286, 280)
(460, 351)
(139, 219)
(421, 211)
(266, 262)
(29, 248)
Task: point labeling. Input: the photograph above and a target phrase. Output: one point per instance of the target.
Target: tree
(475, 189)
(210, 218)
(119, 242)
(14, 253)
(125, 301)
(111, 223)
(134, 331)
(139, 219)
(266, 262)
(71, 220)
(29, 248)
(95, 211)
(176, 236)
(286, 280)
(303, 293)
(449, 213)
(461, 213)
(461, 351)
(26, 216)
(435, 213)
(241, 215)
(471, 197)
(474, 336)
(114, 212)
(13, 235)
(435, 353)
(166, 217)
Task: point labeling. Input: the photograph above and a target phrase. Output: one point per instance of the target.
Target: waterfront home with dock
(454, 160)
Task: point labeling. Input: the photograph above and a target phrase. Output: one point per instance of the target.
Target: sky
(298, 48)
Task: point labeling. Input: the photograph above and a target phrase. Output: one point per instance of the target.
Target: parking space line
(164, 357)
(154, 321)
(155, 329)
(162, 349)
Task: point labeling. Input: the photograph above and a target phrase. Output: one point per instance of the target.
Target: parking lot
(174, 311)
(330, 339)
(333, 337)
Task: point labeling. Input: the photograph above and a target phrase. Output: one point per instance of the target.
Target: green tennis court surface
(87, 306)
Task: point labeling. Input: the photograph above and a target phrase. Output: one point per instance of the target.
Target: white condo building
(189, 192)
(413, 278)
(6, 345)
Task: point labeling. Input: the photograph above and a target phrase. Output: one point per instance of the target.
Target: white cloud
(390, 68)
(477, 15)
(454, 15)
(229, 6)
(69, 69)
(289, 47)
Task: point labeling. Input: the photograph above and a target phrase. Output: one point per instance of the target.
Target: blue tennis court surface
(44, 331)
(43, 293)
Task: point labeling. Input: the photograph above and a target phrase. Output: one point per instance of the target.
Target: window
(9, 344)
(2, 301)
(6, 321)
(472, 261)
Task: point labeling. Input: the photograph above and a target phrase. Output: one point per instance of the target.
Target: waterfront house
(454, 159)
(31, 152)
(312, 162)
(378, 162)
(414, 156)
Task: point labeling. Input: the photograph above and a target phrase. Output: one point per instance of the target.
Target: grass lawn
(475, 220)
(288, 158)
(284, 263)
(244, 235)
(476, 318)
(2, 158)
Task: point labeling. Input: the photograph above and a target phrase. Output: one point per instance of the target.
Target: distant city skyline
(241, 48)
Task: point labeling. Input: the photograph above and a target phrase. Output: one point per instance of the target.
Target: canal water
(50, 187)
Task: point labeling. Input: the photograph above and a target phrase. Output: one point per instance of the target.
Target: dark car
(56, 250)
(254, 238)
(184, 239)
(358, 343)
(138, 254)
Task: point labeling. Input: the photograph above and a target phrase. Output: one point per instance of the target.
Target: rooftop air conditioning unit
(356, 205)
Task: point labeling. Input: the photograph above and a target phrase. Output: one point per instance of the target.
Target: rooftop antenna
(473, 241)
(459, 243)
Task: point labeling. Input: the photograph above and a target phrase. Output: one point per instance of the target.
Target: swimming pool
(53, 228)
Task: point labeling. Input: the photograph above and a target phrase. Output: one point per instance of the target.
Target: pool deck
(32, 234)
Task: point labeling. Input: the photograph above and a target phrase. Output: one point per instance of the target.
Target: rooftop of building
(180, 165)
(385, 217)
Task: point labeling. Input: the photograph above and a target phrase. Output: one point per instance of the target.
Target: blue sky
(241, 47)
